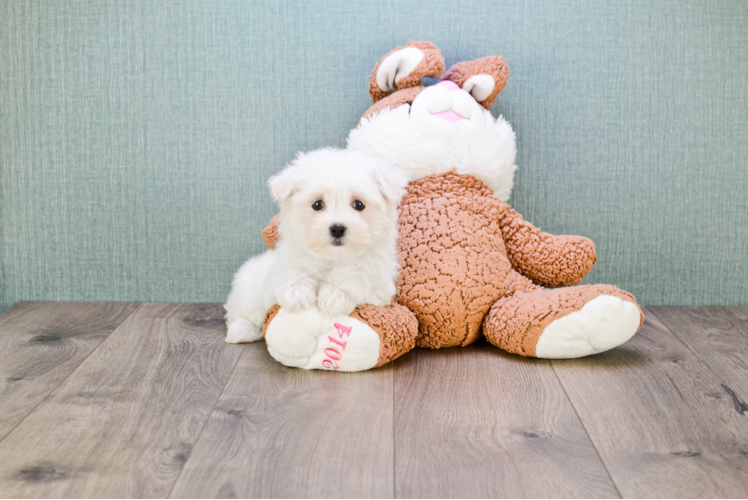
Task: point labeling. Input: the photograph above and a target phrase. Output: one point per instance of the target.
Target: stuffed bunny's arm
(270, 234)
(548, 260)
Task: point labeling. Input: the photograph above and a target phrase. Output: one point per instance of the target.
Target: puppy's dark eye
(318, 205)
(357, 205)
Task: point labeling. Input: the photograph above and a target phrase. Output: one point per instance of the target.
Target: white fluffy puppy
(338, 229)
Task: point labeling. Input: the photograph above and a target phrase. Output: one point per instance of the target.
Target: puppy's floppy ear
(390, 183)
(284, 184)
(482, 78)
(405, 67)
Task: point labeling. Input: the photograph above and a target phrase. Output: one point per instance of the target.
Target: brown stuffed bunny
(470, 264)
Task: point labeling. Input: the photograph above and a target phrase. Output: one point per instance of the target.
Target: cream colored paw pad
(603, 323)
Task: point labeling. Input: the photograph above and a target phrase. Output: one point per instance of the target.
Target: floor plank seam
(729, 390)
(584, 428)
(394, 441)
(69, 374)
(207, 419)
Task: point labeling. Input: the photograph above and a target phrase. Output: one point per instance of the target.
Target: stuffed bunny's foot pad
(312, 340)
(603, 323)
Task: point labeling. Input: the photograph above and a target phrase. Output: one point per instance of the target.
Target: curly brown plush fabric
(516, 322)
(392, 101)
(396, 325)
(495, 66)
(453, 255)
(270, 314)
(270, 234)
(432, 65)
(515, 282)
(546, 259)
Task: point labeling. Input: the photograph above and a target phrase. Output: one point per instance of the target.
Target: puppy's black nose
(337, 230)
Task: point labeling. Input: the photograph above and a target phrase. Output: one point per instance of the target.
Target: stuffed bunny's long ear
(405, 67)
(482, 78)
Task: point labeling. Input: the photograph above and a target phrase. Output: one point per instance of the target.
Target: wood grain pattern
(100, 410)
(41, 343)
(478, 422)
(663, 423)
(738, 311)
(717, 335)
(288, 433)
(124, 423)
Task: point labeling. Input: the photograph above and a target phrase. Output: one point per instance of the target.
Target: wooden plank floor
(145, 400)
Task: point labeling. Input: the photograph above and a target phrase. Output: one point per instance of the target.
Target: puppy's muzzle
(337, 231)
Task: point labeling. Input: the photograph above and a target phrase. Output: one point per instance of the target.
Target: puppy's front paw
(335, 301)
(296, 297)
(241, 331)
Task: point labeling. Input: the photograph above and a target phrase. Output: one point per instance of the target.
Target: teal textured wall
(136, 137)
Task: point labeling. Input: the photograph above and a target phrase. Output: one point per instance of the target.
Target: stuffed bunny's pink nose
(449, 115)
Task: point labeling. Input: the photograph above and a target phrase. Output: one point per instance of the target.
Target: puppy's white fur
(309, 267)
